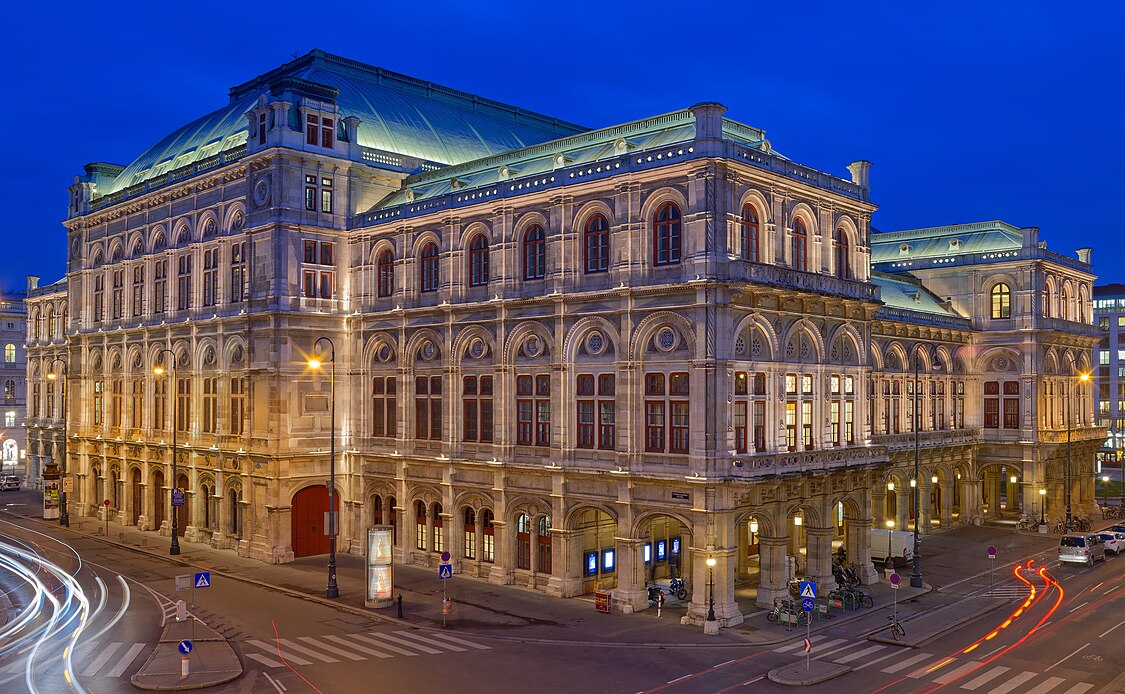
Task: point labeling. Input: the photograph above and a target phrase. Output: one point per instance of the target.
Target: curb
(827, 671)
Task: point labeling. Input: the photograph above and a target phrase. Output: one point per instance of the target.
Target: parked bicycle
(896, 627)
(792, 611)
(1028, 523)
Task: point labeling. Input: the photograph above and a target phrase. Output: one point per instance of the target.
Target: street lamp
(916, 576)
(1105, 490)
(159, 370)
(890, 529)
(710, 589)
(64, 515)
(1042, 505)
(1084, 377)
(333, 590)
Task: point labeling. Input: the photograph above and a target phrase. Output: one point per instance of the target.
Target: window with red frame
(385, 269)
(476, 400)
(478, 261)
(800, 244)
(597, 410)
(384, 413)
(534, 253)
(843, 266)
(749, 233)
(596, 244)
(1011, 404)
(429, 274)
(318, 130)
(523, 542)
(427, 407)
(992, 405)
(533, 410)
(544, 535)
(667, 424)
(666, 235)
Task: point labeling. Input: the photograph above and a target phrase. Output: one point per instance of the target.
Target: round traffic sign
(445, 556)
(895, 579)
(807, 604)
(185, 646)
(991, 552)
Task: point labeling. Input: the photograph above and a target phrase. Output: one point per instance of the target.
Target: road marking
(418, 637)
(122, 664)
(931, 668)
(1076, 651)
(1112, 628)
(275, 683)
(380, 644)
(800, 644)
(1079, 688)
(986, 677)
(833, 651)
(958, 673)
(1080, 606)
(1013, 683)
(859, 654)
(101, 660)
(264, 660)
(877, 660)
(331, 649)
(1046, 686)
(1109, 591)
(307, 651)
(747, 682)
(463, 642)
(361, 649)
(678, 679)
(272, 648)
(903, 664)
(722, 664)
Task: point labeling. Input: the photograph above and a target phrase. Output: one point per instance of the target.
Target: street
(1023, 624)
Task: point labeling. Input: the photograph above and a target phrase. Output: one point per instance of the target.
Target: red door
(309, 506)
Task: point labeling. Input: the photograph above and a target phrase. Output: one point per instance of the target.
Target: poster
(50, 499)
(379, 591)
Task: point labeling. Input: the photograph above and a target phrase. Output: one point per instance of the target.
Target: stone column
(878, 506)
(820, 555)
(501, 572)
(630, 594)
(925, 507)
(773, 582)
(859, 548)
(1012, 500)
(946, 504)
(902, 508)
(972, 501)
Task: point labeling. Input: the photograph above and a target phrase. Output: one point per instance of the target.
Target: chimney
(32, 282)
(1084, 255)
(861, 173)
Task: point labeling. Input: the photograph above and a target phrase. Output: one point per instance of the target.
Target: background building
(571, 357)
(1109, 315)
(13, 381)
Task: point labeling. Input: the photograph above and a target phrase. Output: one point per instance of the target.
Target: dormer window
(318, 130)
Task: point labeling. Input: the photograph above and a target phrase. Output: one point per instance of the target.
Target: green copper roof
(900, 292)
(947, 241)
(398, 114)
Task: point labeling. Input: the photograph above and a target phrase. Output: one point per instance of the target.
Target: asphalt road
(1065, 639)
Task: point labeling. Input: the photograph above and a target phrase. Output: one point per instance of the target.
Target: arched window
(385, 268)
(469, 546)
(843, 267)
(544, 565)
(749, 233)
(1047, 301)
(10, 353)
(488, 537)
(438, 545)
(430, 267)
(1001, 301)
(534, 253)
(478, 261)
(596, 244)
(800, 245)
(420, 522)
(523, 542)
(666, 235)
(10, 390)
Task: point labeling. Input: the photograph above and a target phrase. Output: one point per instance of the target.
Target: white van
(1081, 549)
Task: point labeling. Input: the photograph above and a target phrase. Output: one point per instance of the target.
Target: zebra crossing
(113, 659)
(330, 648)
(969, 675)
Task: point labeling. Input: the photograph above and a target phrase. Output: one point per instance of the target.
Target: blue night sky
(969, 111)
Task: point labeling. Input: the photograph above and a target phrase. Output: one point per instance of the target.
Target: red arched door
(309, 506)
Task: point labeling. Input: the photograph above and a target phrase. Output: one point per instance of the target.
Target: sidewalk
(212, 660)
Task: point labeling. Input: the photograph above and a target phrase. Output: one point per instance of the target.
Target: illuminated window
(1001, 301)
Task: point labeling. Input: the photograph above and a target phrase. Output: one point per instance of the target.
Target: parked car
(10, 482)
(1119, 528)
(1114, 542)
(1081, 549)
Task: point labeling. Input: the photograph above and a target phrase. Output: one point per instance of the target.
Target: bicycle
(793, 613)
(1028, 524)
(896, 627)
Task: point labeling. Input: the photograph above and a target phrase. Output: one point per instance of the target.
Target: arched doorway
(136, 488)
(595, 532)
(183, 513)
(158, 492)
(308, 527)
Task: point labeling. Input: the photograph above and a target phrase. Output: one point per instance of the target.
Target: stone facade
(590, 362)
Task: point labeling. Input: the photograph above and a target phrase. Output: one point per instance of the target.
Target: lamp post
(159, 370)
(1105, 490)
(333, 590)
(710, 589)
(890, 529)
(1069, 518)
(916, 576)
(64, 515)
(1042, 505)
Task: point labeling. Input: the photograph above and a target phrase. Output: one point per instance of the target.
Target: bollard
(400, 605)
(184, 668)
(181, 611)
(659, 604)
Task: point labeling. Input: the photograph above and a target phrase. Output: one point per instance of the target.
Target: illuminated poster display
(380, 566)
(50, 499)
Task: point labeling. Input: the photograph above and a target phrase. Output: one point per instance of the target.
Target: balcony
(1069, 326)
(927, 439)
(1076, 434)
(788, 278)
(804, 462)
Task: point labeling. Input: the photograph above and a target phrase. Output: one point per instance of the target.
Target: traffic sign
(808, 589)
(184, 582)
(808, 646)
(185, 646)
(807, 604)
(203, 579)
(895, 578)
(991, 552)
(445, 570)
(177, 497)
(445, 557)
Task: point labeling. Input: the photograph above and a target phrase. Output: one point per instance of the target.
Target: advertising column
(380, 566)
(51, 480)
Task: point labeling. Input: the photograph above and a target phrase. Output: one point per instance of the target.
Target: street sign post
(807, 591)
(203, 579)
(991, 569)
(895, 578)
(185, 582)
(445, 572)
(185, 646)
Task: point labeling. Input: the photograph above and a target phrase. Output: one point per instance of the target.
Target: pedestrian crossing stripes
(968, 675)
(309, 650)
(115, 659)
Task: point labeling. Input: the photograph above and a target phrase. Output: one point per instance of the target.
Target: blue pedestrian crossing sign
(185, 646)
(203, 579)
(808, 589)
(445, 571)
(807, 604)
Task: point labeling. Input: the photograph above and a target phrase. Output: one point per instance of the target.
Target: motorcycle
(678, 588)
(655, 596)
